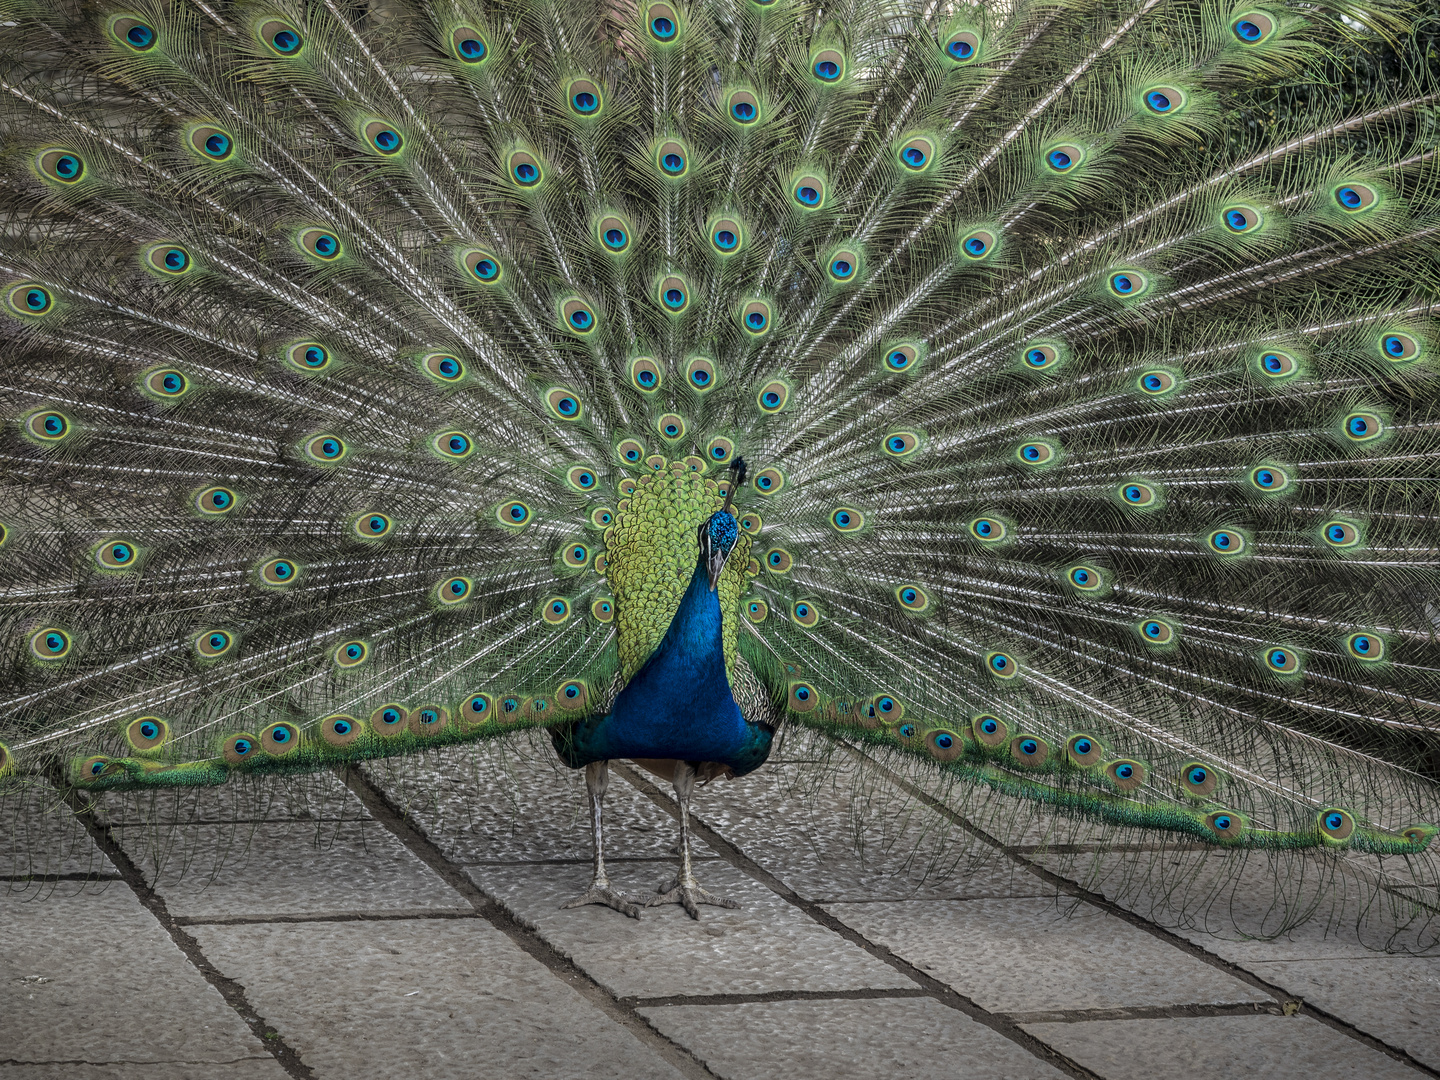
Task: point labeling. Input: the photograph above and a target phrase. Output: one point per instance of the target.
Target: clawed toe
(609, 897)
(688, 896)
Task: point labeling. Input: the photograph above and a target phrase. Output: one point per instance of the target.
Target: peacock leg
(685, 889)
(597, 780)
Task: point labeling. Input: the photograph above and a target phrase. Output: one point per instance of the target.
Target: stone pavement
(402, 920)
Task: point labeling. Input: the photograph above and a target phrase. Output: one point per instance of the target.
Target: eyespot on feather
(280, 738)
(1126, 774)
(61, 165)
(211, 143)
(389, 719)
(944, 745)
(1030, 751)
(169, 260)
(146, 734)
(479, 708)
(339, 730)
(1198, 780)
(321, 244)
(428, 721)
(350, 654)
(165, 384)
(308, 356)
(212, 644)
(990, 730)
(469, 45)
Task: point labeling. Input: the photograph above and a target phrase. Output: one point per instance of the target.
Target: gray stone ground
(404, 921)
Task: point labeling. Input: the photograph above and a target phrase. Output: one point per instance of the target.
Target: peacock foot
(689, 895)
(603, 894)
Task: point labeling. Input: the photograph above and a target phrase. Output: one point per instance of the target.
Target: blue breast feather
(679, 704)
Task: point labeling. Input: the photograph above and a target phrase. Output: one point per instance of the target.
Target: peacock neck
(695, 638)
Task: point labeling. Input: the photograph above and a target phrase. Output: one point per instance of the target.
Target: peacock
(1039, 394)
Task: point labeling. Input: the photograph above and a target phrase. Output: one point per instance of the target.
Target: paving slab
(433, 998)
(247, 1069)
(1032, 955)
(515, 802)
(904, 1039)
(1273, 1047)
(259, 871)
(41, 837)
(1394, 998)
(834, 830)
(90, 978)
(766, 946)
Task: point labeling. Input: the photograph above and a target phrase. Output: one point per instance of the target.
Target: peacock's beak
(715, 564)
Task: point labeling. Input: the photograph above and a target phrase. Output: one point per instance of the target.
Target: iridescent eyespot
(48, 426)
(525, 169)
(602, 517)
(1199, 780)
(146, 734)
(773, 396)
(469, 45)
(1002, 665)
(1399, 348)
(555, 610)
(803, 697)
(962, 47)
(582, 478)
(1163, 100)
(756, 611)
(630, 452)
(1252, 27)
(645, 374)
(847, 519)
(239, 749)
(326, 449)
(578, 316)
(453, 445)
(769, 481)
(662, 22)
(389, 719)
(603, 610)
(1282, 661)
(828, 65)
(808, 191)
(349, 654)
(454, 590)
(308, 356)
(614, 234)
(1156, 631)
(1040, 356)
(978, 244)
(899, 444)
(51, 643)
(805, 613)
(1063, 158)
(1030, 751)
(428, 720)
(743, 107)
(1365, 646)
(443, 367)
(1361, 427)
(116, 555)
(755, 317)
(1085, 578)
(916, 154)
(1126, 774)
(278, 572)
(133, 34)
(320, 244)
(514, 513)
(575, 556)
(1336, 825)
(751, 523)
(779, 561)
(726, 235)
(64, 166)
(564, 403)
(1226, 541)
(1035, 453)
(1271, 479)
(212, 143)
(482, 266)
(1138, 494)
(913, 598)
(1354, 198)
(172, 260)
(671, 427)
(213, 643)
(383, 137)
(672, 158)
(279, 738)
(280, 36)
(720, 450)
(988, 530)
(843, 265)
(701, 373)
(215, 500)
(990, 730)
(903, 357)
(1225, 825)
(30, 299)
(1127, 283)
(888, 707)
(585, 98)
(573, 695)
(1241, 219)
(339, 730)
(1340, 534)
(1084, 751)
(1155, 383)
(166, 383)
(1276, 365)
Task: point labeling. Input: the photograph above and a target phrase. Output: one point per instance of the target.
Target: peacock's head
(720, 531)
